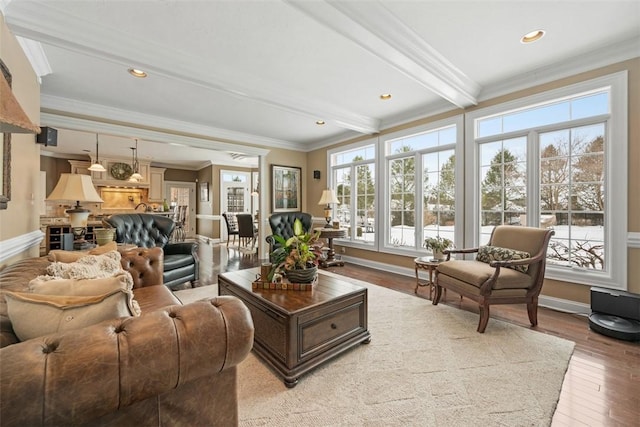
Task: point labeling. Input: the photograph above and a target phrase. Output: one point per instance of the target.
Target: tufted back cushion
(231, 221)
(282, 223)
(143, 230)
(145, 266)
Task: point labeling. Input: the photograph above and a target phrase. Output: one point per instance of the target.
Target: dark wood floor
(602, 385)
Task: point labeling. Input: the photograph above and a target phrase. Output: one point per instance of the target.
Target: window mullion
(533, 179)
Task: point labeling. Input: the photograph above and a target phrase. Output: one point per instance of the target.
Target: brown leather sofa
(173, 365)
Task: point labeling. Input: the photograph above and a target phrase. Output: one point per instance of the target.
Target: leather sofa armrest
(181, 248)
(74, 377)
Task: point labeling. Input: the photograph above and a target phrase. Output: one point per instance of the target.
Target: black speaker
(48, 136)
(615, 314)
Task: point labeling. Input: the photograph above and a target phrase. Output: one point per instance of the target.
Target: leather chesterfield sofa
(148, 230)
(174, 365)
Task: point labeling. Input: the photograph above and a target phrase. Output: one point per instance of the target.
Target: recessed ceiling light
(320, 122)
(385, 96)
(532, 36)
(137, 73)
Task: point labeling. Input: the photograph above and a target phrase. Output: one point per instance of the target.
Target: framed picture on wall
(204, 191)
(286, 189)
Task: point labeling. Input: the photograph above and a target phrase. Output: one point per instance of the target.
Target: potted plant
(438, 245)
(297, 257)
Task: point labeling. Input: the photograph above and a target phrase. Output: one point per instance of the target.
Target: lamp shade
(13, 119)
(328, 196)
(76, 187)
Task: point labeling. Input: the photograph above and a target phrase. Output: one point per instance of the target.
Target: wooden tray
(285, 285)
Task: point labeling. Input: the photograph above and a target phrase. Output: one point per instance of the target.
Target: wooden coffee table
(295, 331)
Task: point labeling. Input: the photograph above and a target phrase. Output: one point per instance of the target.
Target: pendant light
(97, 166)
(136, 165)
(132, 178)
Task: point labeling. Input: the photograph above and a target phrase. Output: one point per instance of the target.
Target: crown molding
(100, 42)
(601, 57)
(376, 29)
(36, 56)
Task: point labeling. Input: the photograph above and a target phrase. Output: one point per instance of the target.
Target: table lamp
(328, 197)
(80, 188)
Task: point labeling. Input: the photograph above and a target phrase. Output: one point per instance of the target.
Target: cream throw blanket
(92, 267)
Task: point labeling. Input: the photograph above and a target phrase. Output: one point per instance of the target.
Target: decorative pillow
(496, 253)
(87, 267)
(85, 287)
(34, 315)
(58, 255)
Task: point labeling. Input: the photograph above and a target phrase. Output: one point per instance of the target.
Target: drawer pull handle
(334, 326)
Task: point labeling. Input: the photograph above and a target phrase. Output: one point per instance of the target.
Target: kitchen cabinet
(80, 167)
(106, 178)
(156, 184)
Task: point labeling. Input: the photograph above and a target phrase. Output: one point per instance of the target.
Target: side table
(330, 234)
(425, 263)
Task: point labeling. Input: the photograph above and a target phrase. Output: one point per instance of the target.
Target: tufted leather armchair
(282, 224)
(148, 230)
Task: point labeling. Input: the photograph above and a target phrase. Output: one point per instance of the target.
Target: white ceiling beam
(61, 28)
(74, 107)
(87, 125)
(373, 27)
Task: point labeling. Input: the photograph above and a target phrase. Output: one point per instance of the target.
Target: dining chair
(247, 231)
(232, 226)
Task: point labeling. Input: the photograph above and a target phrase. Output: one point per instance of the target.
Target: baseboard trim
(19, 244)
(558, 304)
(207, 240)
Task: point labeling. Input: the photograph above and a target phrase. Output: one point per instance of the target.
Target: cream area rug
(425, 366)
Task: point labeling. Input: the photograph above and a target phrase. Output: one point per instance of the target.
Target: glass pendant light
(136, 165)
(97, 166)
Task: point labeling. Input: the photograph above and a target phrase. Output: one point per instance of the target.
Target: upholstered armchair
(148, 230)
(508, 270)
(282, 225)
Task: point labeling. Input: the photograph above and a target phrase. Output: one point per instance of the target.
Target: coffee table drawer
(337, 324)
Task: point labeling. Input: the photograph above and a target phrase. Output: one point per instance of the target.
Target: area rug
(425, 366)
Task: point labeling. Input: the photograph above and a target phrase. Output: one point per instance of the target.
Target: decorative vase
(104, 235)
(306, 275)
(439, 256)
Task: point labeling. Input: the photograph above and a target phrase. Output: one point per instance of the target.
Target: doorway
(235, 195)
(180, 194)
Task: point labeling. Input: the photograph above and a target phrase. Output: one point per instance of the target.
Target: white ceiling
(263, 72)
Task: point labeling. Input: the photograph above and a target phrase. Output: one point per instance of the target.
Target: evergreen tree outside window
(421, 187)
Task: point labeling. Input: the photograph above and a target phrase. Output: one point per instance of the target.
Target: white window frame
(383, 190)
(616, 181)
(350, 242)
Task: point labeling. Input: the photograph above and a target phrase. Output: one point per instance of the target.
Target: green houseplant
(298, 256)
(438, 245)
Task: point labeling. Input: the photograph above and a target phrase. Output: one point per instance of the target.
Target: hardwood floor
(602, 384)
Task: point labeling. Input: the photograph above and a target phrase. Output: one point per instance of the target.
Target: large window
(554, 161)
(421, 185)
(353, 176)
